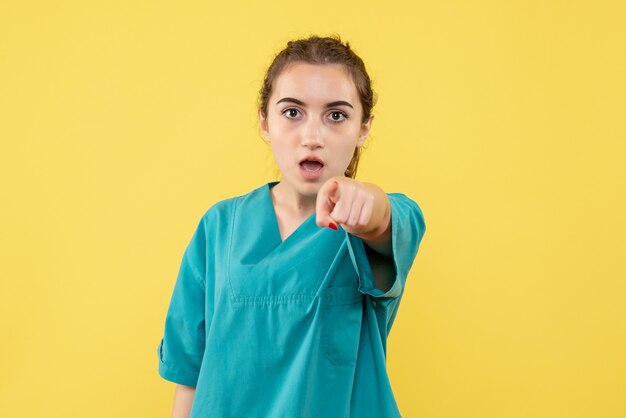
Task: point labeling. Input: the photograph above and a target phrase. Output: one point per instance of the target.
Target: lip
(311, 175)
(312, 158)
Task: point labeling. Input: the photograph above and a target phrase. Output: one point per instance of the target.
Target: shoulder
(222, 210)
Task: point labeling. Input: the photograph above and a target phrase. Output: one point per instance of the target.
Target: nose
(312, 136)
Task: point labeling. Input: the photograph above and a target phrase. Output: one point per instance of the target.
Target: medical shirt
(264, 327)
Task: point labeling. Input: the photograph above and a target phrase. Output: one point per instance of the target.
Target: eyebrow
(331, 104)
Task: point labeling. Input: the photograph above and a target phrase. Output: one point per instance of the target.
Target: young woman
(286, 295)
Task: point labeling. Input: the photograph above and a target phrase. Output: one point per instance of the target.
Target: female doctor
(286, 295)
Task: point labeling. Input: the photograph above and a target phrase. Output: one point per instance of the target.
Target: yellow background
(121, 122)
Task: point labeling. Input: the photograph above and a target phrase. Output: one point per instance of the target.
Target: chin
(310, 189)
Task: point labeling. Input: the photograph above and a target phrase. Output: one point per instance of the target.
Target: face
(313, 124)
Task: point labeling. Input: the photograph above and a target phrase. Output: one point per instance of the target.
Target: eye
(337, 116)
(291, 112)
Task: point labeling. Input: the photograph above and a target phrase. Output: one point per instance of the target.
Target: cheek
(342, 153)
(347, 141)
(282, 153)
(283, 125)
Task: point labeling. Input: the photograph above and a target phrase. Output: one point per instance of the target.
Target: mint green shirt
(297, 328)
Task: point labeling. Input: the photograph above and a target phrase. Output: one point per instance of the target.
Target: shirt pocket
(342, 314)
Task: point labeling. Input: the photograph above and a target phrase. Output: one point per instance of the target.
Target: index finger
(326, 198)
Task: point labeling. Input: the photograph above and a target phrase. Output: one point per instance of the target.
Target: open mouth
(311, 165)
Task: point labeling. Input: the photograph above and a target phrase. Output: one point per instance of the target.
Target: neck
(286, 196)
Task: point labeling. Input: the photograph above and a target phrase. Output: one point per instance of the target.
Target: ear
(365, 130)
(263, 126)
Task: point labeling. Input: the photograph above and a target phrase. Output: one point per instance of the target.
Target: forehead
(311, 83)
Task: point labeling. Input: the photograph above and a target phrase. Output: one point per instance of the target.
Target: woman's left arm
(363, 210)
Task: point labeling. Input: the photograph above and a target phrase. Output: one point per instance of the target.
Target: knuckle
(337, 216)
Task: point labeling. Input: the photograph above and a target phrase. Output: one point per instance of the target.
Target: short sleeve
(407, 230)
(182, 346)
